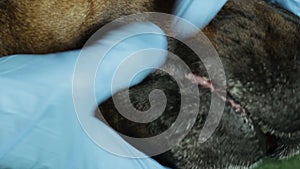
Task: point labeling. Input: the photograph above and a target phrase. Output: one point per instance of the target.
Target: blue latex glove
(39, 127)
(198, 12)
(291, 5)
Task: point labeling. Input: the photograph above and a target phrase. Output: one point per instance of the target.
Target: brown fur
(258, 43)
(35, 26)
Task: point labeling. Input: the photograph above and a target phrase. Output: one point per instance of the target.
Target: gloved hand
(39, 127)
(198, 12)
(291, 5)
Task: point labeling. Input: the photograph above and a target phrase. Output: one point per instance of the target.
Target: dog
(259, 46)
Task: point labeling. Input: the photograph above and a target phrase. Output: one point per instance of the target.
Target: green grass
(293, 163)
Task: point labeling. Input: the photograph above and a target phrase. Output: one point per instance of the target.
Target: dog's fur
(258, 43)
(34, 26)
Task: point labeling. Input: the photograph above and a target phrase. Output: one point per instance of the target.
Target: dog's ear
(34, 26)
